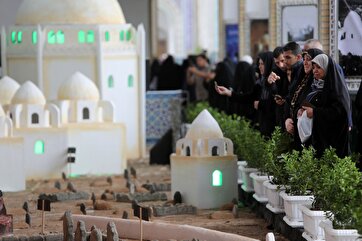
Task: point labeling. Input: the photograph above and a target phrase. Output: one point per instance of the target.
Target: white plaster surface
(204, 127)
(28, 93)
(69, 11)
(8, 87)
(78, 87)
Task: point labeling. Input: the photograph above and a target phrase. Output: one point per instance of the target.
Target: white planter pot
(311, 221)
(240, 165)
(293, 215)
(259, 188)
(338, 234)
(275, 202)
(247, 185)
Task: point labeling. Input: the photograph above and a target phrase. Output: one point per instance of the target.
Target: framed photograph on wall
(297, 20)
(346, 39)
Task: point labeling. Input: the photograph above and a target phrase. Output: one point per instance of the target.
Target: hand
(289, 125)
(300, 112)
(273, 77)
(280, 101)
(256, 104)
(309, 111)
(192, 69)
(223, 90)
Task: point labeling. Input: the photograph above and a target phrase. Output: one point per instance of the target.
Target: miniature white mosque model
(204, 167)
(85, 97)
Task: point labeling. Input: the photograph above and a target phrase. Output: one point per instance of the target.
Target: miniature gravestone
(109, 180)
(82, 209)
(133, 172)
(6, 221)
(71, 187)
(26, 207)
(28, 219)
(125, 215)
(93, 197)
(177, 198)
(140, 212)
(57, 185)
(64, 176)
(44, 206)
(126, 174)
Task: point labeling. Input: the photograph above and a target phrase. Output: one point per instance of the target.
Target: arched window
(81, 37)
(51, 37)
(90, 36)
(106, 36)
(39, 147)
(130, 81)
(60, 37)
(214, 151)
(217, 178)
(20, 37)
(13, 37)
(129, 35)
(35, 118)
(34, 37)
(85, 113)
(188, 151)
(110, 81)
(121, 35)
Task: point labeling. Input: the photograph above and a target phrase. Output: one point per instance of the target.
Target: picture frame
(345, 46)
(293, 26)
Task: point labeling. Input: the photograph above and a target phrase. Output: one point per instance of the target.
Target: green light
(39, 147)
(106, 35)
(51, 37)
(81, 37)
(121, 35)
(110, 82)
(34, 37)
(90, 37)
(20, 37)
(128, 35)
(217, 178)
(13, 37)
(130, 81)
(60, 37)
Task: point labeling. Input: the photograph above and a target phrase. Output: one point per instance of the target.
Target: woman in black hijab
(328, 104)
(244, 81)
(223, 76)
(170, 75)
(261, 96)
(300, 89)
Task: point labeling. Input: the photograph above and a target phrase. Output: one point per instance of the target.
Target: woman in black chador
(261, 96)
(244, 81)
(300, 89)
(223, 76)
(328, 104)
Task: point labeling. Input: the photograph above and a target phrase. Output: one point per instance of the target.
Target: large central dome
(70, 12)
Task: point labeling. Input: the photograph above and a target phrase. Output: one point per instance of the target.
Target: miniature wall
(12, 172)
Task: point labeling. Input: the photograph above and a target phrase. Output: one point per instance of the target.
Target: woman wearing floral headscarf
(328, 104)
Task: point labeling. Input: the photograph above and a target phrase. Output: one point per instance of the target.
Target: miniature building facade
(46, 131)
(50, 42)
(204, 168)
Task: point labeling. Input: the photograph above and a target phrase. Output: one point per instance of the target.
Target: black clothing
(330, 113)
(358, 105)
(170, 75)
(244, 81)
(299, 91)
(223, 77)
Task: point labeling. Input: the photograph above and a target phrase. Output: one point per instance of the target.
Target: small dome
(204, 127)
(8, 87)
(28, 93)
(78, 87)
(32, 12)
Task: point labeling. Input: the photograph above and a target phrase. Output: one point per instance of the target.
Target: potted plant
(275, 167)
(299, 166)
(341, 194)
(314, 215)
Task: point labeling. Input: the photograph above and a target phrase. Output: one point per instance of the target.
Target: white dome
(8, 87)
(204, 127)
(33, 12)
(78, 87)
(28, 93)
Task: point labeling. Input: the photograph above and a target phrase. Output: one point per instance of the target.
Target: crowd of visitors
(301, 90)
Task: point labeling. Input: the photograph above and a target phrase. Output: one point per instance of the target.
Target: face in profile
(307, 62)
(280, 62)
